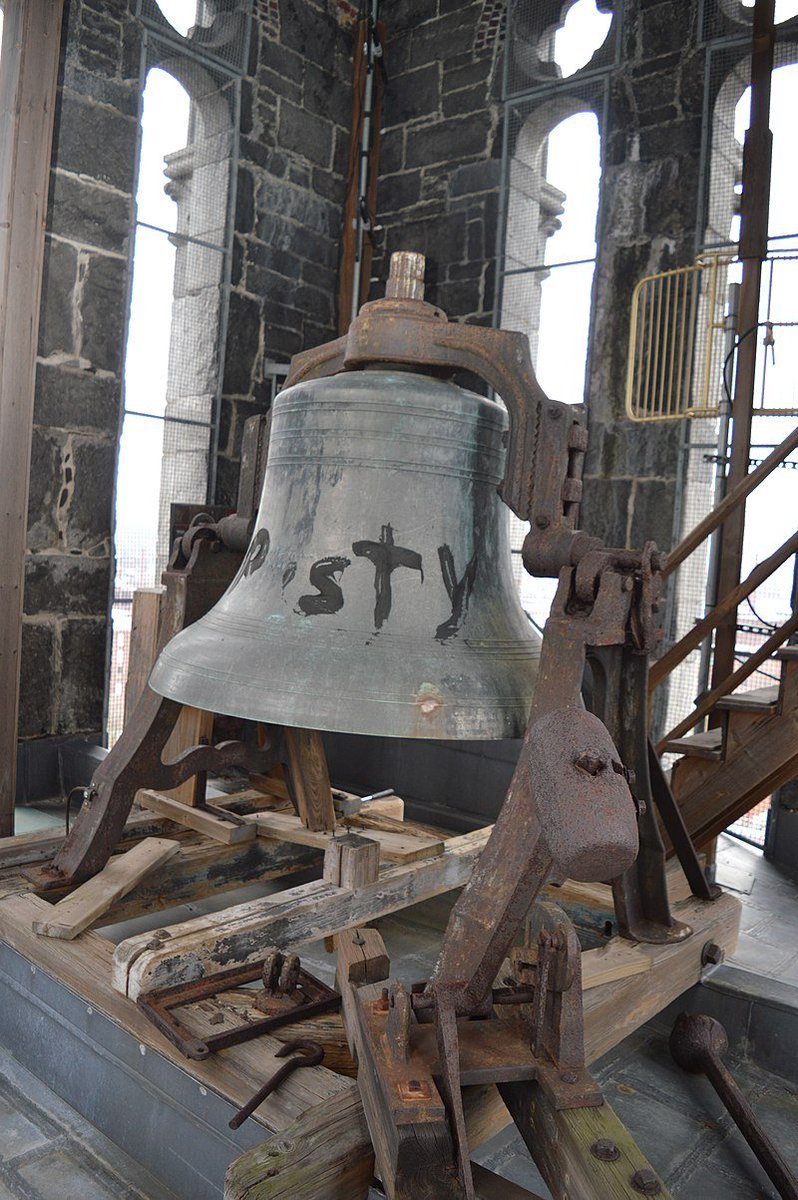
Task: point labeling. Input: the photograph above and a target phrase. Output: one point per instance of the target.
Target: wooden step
(761, 700)
(698, 745)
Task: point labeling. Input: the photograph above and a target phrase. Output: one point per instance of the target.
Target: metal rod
(365, 153)
(733, 498)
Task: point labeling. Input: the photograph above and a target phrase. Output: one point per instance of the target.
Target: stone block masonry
(296, 114)
(69, 561)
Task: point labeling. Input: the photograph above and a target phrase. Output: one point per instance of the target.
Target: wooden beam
(309, 779)
(297, 916)
(560, 1141)
(193, 725)
(70, 916)
(144, 622)
(28, 78)
(196, 818)
(402, 846)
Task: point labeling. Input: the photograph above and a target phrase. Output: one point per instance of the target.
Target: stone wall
(439, 188)
(78, 385)
(294, 144)
(290, 192)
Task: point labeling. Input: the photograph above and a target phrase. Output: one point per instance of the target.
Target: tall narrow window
(550, 251)
(180, 269)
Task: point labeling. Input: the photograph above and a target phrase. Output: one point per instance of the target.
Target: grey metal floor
(47, 1151)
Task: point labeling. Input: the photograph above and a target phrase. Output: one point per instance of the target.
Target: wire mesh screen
(730, 18)
(180, 265)
(210, 28)
(547, 42)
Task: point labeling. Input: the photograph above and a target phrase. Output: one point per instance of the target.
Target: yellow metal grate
(676, 346)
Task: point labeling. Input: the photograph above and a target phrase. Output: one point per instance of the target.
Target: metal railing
(727, 604)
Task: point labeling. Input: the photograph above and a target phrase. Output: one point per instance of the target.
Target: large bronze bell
(376, 595)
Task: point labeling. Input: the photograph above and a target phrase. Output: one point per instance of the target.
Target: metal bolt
(568, 1076)
(605, 1150)
(413, 1085)
(542, 522)
(646, 1182)
(711, 955)
(590, 763)
(555, 413)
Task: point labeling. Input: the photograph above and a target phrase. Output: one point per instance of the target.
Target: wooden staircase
(727, 770)
(751, 745)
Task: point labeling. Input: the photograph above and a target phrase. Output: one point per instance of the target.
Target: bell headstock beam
(546, 441)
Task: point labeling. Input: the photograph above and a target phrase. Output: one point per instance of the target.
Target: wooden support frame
(325, 1152)
(28, 81)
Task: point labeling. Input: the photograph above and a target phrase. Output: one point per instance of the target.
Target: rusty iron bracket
(290, 995)
(425, 1045)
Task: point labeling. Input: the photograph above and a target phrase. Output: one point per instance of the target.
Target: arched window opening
(181, 14)
(550, 251)
(740, 10)
(548, 42)
(581, 35)
(172, 374)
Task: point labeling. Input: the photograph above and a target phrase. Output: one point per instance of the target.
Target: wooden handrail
(732, 681)
(732, 501)
(695, 636)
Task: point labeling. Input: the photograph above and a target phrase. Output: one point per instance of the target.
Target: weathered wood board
(87, 903)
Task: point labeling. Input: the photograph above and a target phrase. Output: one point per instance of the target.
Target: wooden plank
(42, 844)
(400, 847)
(70, 916)
(762, 700)
(367, 818)
(192, 726)
(292, 918)
(309, 779)
(144, 620)
(214, 827)
(28, 77)
(698, 745)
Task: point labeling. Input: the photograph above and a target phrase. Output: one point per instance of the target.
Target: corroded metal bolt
(711, 955)
(590, 764)
(568, 1076)
(605, 1150)
(646, 1182)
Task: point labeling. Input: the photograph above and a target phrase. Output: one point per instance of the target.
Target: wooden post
(309, 779)
(351, 861)
(144, 625)
(28, 77)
